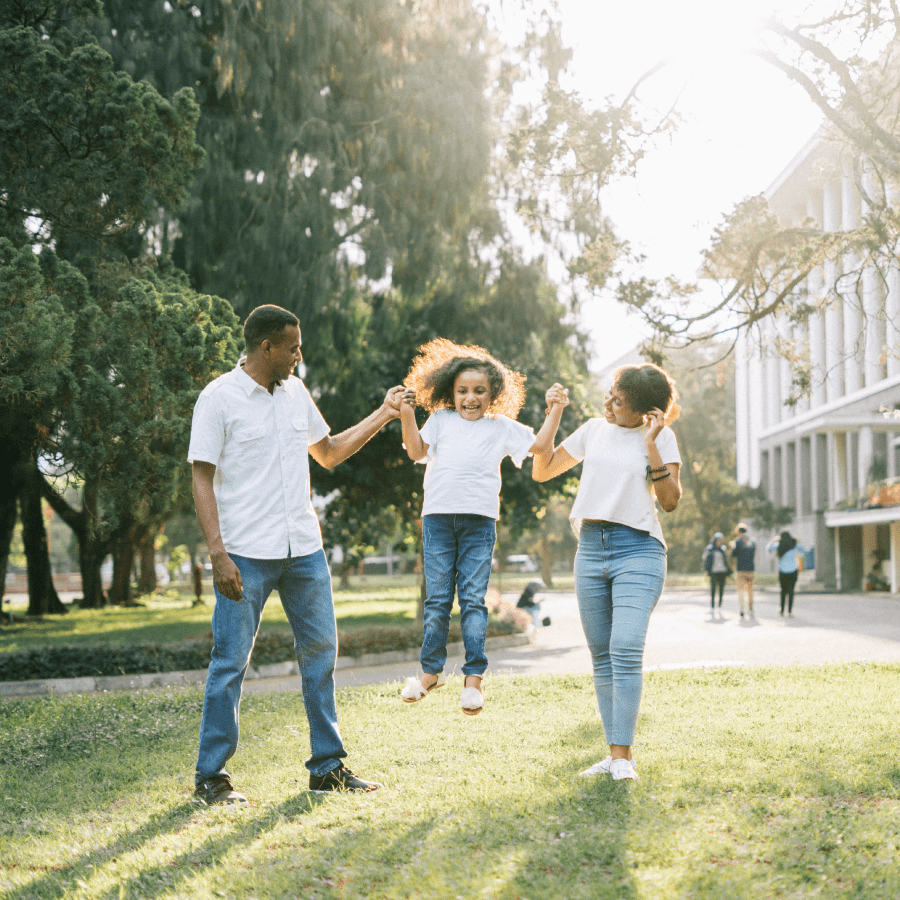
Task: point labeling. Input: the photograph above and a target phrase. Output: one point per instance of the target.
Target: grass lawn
(169, 616)
(755, 783)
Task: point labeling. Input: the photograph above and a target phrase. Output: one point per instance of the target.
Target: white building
(835, 456)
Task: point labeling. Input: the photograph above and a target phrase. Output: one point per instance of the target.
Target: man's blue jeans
(304, 585)
(619, 576)
(458, 552)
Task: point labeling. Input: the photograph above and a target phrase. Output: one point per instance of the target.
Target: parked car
(521, 562)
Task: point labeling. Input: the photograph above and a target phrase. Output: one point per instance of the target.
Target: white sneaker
(600, 768)
(622, 770)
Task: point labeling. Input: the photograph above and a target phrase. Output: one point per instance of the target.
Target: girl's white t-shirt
(614, 486)
(462, 474)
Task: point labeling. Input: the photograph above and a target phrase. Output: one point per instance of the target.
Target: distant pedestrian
(743, 552)
(715, 564)
(788, 551)
(529, 604)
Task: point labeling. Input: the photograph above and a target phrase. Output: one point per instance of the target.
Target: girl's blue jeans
(458, 548)
(619, 576)
(304, 585)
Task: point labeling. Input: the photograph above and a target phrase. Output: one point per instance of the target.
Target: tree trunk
(91, 550)
(42, 596)
(546, 560)
(146, 544)
(13, 462)
(123, 559)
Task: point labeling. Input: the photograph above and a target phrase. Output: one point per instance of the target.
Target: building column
(894, 559)
(873, 297)
(865, 450)
(816, 329)
(892, 312)
(853, 328)
(837, 452)
(834, 312)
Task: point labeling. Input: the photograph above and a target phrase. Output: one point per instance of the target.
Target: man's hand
(393, 400)
(227, 576)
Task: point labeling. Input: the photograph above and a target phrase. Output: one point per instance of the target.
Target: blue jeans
(458, 552)
(619, 576)
(304, 585)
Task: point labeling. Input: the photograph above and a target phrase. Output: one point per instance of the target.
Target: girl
(715, 564)
(473, 400)
(631, 462)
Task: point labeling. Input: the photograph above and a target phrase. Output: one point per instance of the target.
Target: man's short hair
(741, 528)
(267, 323)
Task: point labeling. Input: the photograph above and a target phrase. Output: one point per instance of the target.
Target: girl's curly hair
(437, 364)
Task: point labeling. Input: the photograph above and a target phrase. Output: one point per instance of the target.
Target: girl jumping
(473, 400)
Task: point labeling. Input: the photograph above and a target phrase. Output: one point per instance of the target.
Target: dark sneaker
(340, 779)
(217, 791)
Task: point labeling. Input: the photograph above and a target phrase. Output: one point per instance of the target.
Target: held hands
(393, 400)
(409, 397)
(556, 396)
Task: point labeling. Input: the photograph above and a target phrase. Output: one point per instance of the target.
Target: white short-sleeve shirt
(259, 444)
(614, 486)
(462, 474)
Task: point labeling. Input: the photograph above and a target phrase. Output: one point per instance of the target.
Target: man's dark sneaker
(340, 779)
(217, 791)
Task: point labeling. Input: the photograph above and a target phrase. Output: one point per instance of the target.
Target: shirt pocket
(250, 444)
(299, 435)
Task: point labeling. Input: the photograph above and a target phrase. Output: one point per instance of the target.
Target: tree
(87, 155)
(845, 56)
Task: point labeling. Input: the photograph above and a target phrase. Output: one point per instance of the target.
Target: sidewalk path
(825, 628)
(682, 634)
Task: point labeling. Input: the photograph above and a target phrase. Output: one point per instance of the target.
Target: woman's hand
(654, 422)
(557, 395)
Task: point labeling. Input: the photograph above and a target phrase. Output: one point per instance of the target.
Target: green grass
(755, 783)
(169, 616)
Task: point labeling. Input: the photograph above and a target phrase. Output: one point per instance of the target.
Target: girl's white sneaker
(600, 768)
(622, 770)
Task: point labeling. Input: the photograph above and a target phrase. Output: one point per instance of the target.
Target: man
(252, 430)
(743, 552)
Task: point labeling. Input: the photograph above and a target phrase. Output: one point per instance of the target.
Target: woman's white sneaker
(622, 770)
(600, 768)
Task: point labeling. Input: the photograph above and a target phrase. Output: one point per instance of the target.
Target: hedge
(133, 659)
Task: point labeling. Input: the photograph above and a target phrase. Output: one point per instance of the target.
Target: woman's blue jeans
(458, 548)
(619, 576)
(304, 585)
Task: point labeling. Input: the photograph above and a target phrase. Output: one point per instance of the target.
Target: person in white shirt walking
(473, 400)
(631, 462)
(252, 433)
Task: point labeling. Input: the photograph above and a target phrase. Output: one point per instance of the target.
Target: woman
(787, 550)
(715, 564)
(631, 461)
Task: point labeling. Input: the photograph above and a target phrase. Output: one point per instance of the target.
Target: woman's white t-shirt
(614, 486)
(462, 474)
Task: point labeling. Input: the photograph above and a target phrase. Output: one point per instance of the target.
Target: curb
(49, 687)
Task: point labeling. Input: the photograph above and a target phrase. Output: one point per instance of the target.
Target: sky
(742, 123)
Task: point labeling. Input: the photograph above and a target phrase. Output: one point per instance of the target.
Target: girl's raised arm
(416, 448)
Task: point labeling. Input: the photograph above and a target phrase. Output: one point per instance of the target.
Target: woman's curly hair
(648, 387)
(437, 365)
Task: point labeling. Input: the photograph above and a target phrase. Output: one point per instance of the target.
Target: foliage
(87, 154)
(844, 54)
(713, 500)
(793, 818)
(96, 660)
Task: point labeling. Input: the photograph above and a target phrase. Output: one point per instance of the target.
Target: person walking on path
(788, 551)
(743, 552)
(715, 564)
(631, 463)
(473, 400)
(252, 433)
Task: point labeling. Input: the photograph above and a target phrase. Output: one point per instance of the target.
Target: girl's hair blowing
(437, 365)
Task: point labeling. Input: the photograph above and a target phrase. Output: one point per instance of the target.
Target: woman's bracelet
(650, 471)
(660, 477)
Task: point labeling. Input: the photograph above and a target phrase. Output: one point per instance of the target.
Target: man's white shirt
(259, 443)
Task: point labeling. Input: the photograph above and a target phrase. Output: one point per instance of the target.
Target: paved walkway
(824, 628)
(683, 634)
